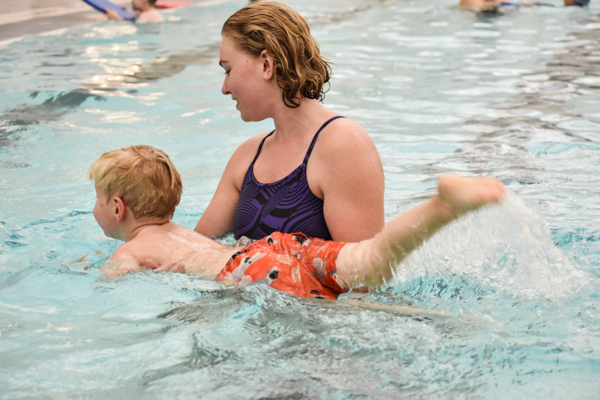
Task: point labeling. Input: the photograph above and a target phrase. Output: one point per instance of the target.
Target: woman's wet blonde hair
(275, 27)
(143, 177)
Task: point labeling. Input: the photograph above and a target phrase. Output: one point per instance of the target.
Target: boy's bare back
(172, 244)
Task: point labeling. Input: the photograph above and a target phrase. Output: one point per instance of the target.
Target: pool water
(439, 89)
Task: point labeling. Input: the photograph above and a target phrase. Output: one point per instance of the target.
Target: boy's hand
(119, 267)
(112, 15)
(169, 266)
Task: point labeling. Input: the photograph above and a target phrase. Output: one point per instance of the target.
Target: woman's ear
(268, 65)
(118, 209)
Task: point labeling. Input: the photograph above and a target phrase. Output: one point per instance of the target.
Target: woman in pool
(317, 172)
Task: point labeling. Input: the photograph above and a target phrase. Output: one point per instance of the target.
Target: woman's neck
(292, 123)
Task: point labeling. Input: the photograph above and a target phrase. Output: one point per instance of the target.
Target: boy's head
(142, 5)
(143, 177)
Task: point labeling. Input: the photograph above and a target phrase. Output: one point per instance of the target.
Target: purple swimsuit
(286, 206)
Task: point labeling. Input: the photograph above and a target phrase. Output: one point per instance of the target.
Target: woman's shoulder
(242, 157)
(344, 134)
(250, 146)
(345, 144)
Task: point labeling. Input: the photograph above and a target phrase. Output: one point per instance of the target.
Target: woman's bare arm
(346, 171)
(217, 220)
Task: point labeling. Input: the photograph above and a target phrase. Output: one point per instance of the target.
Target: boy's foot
(465, 194)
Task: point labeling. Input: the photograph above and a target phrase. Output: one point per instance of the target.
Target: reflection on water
(439, 89)
(538, 107)
(56, 106)
(138, 74)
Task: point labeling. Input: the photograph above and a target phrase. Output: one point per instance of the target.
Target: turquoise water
(516, 96)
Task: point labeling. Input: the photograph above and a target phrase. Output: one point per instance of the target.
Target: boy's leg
(371, 261)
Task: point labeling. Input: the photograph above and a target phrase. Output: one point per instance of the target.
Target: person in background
(580, 3)
(144, 9)
(490, 5)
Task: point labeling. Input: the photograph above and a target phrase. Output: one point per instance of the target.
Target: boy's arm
(122, 261)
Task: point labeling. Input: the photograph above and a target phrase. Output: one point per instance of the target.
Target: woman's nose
(225, 88)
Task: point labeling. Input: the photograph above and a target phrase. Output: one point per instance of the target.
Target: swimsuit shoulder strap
(312, 144)
(260, 146)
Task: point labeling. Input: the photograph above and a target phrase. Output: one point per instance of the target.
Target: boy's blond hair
(277, 28)
(143, 177)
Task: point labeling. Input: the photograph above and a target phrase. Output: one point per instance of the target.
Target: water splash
(506, 247)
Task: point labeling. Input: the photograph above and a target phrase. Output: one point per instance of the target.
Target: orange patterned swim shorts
(292, 263)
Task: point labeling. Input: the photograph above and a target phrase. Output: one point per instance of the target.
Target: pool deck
(26, 17)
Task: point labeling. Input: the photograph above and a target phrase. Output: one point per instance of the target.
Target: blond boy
(138, 189)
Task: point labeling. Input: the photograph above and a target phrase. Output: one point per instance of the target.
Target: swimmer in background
(144, 9)
(492, 5)
(580, 3)
(138, 188)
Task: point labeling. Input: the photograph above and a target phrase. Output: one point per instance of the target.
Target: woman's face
(244, 81)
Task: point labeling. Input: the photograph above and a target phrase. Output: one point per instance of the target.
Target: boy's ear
(119, 208)
(268, 65)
